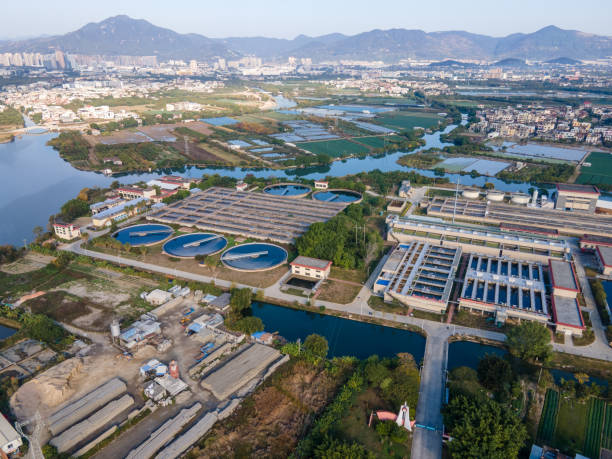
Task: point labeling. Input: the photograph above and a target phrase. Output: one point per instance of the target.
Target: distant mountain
(564, 61)
(275, 47)
(511, 62)
(121, 35)
(451, 63)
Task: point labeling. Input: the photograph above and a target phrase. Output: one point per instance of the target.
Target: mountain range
(122, 35)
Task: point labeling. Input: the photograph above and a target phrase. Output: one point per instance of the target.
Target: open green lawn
(334, 148)
(600, 171)
(571, 423)
(377, 141)
(407, 120)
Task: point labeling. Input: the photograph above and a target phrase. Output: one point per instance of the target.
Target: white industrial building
(10, 440)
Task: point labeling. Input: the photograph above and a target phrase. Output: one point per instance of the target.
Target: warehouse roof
(605, 255)
(575, 188)
(562, 275)
(566, 311)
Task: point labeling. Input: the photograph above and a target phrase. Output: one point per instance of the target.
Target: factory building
(604, 258)
(504, 287)
(565, 288)
(577, 197)
(591, 241)
(477, 238)
(419, 275)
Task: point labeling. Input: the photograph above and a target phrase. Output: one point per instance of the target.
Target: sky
(289, 18)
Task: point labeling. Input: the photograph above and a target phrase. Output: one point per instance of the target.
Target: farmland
(606, 438)
(407, 120)
(600, 170)
(594, 425)
(548, 421)
(334, 148)
(378, 141)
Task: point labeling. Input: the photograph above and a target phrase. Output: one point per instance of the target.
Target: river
(345, 337)
(35, 181)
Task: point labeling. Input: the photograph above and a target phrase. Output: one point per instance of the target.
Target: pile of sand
(48, 389)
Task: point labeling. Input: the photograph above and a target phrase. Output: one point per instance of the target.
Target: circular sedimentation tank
(146, 234)
(337, 195)
(520, 198)
(194, 244)
(494, 195)
(470, 194)
(289, 190)
(256, 256)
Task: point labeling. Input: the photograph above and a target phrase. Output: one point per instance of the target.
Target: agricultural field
(377, 141)
(592, 441)
(606, 437)
(600, 171)
(334, 148)
(407, 120)
(548, 421)
(571, 424)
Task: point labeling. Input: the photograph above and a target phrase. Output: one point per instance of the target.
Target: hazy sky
(288, 18)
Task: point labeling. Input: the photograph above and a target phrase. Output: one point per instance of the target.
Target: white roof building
(10, 440)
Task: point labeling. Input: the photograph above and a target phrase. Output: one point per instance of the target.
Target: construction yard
(217, 369)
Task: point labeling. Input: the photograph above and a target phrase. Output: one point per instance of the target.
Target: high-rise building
(59, 58)
(221, 63)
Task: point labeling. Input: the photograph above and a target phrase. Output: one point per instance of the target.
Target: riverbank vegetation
(10, 118)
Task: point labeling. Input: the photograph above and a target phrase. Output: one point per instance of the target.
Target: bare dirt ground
(270, 422)
(30, 262)
(338, 291)
(96, 292)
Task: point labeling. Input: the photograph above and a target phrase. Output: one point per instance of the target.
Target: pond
(345, 337)
(5, 332)
(468, 354)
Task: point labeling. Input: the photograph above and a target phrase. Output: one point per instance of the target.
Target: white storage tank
(494, 195)
(470, 194)
(115, 329)
(520, 198)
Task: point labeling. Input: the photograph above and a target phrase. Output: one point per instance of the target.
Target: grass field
(334, 148)
(600, 171)
(407, 120)
(548, 421)
(378, 141)
(571, 425)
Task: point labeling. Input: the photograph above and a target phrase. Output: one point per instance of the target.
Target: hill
(122, 35)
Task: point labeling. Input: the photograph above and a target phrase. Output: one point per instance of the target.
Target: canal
(345, 337)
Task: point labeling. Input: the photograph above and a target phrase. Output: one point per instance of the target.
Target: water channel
(5, 332)
(345, 337)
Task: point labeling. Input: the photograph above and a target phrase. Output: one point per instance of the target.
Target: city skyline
(280, 20)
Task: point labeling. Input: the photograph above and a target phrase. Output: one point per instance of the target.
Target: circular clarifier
(347, 196)
(191, 245)
(257, 256)
(147, 234)
(289, 190)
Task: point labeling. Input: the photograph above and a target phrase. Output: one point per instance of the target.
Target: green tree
(495, 373)
(483, 428)
(316, 345)
(332, 448)
(41, 327)
(74, 208)
(240, 300)
(530, 341)
(248, 325)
